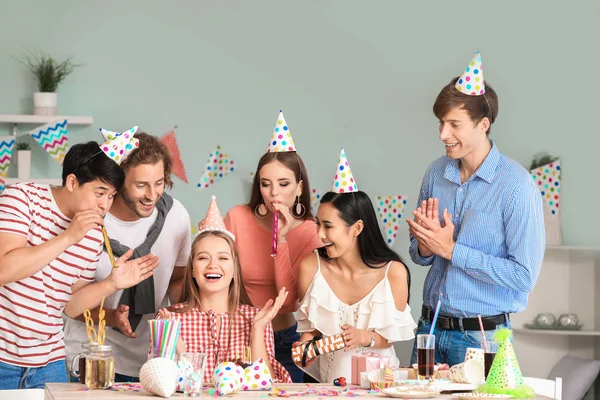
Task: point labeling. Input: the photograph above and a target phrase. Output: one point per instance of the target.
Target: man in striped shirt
(486, 247)
(50, 242)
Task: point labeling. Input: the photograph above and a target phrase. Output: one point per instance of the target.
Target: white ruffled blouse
(322, 310)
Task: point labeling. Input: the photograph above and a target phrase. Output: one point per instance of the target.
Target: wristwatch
(372, 343)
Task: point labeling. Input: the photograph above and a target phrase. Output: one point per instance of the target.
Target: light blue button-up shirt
(499, 234)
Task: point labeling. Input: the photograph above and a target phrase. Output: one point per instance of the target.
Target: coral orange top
(264, 275)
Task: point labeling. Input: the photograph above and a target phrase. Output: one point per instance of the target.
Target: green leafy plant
(542, 159)
(22, 146)
(48, 72)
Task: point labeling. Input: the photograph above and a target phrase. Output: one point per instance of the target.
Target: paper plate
(481, 396)
(411, 393)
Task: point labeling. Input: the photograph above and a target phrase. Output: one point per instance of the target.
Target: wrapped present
(316, 347)
(368, 361)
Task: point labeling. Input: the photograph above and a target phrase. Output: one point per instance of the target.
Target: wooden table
(68, 391)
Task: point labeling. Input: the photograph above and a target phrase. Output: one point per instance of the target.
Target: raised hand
(284, 223)
(269, 311)
(81, 224)
(132, 272)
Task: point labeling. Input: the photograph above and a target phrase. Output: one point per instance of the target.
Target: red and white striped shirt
(199, 332)
(31, 325)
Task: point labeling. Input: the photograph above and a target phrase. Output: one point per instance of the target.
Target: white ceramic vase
(24, 164)
(45, 103)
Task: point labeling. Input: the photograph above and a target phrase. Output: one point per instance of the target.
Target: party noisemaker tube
(275, 226)
(111, 257)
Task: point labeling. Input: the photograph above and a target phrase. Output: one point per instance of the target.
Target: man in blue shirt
(487, 245)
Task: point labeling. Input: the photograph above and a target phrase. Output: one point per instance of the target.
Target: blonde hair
(190, 293)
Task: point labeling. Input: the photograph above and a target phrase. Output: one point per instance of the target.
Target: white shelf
(42, 119)
(557, 332)
(55, 182)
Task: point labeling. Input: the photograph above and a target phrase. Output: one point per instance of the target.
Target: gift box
(317, 347)
(367, 361)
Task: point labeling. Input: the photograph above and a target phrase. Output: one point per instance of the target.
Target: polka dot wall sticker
(218, 166)
(315, 199)
(390, 210)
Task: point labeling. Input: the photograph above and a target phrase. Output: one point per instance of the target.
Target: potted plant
(49, 73)
(23, 160)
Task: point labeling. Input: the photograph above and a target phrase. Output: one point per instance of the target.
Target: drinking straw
(433, 322)
(483, 339)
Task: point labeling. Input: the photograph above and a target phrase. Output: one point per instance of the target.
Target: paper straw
(434, 321)
(483, 339)
(275, 226)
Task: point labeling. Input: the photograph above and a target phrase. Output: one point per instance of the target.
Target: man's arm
(17, 261)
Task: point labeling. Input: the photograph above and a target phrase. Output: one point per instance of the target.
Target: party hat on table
(281, 140)
(471, 81)
(343, 182)
(213, 221)
(505, 375)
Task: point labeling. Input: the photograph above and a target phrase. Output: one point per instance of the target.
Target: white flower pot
(45, 103)
(24, 164)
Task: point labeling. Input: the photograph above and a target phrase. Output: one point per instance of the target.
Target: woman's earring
(298, 210)
(261, 211)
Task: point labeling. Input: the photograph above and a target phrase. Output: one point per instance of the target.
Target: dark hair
(477, 107)
(292, 161)
(88, 163)
(372, 247)
(150, 151)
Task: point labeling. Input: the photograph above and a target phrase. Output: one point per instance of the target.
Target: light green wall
(358, 74)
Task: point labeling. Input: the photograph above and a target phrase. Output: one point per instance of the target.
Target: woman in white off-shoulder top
(355, 285)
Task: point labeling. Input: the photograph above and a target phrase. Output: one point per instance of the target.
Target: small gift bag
(370, 361)
(306, 351)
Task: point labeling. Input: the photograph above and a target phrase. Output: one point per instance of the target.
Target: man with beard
(145, 218)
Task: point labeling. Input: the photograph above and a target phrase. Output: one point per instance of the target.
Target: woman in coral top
(281, 185)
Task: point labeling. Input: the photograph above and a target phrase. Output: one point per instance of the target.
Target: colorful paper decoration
(281, 140)
(54, 138)
(471, 81)
(547, 178)
(505, 375)
(315, 198)
(390, 210)
(118, 145)
(218, 166)
(343, 182)
(213, 221)
(7, 144)
(171, 143)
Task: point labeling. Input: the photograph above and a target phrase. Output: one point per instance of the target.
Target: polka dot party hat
(213, 221)
(117, 146)
(281, 140)
(343, 182)
(471, 81)
(505, 375)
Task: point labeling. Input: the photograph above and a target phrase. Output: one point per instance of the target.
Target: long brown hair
(292, 161)
(190, 292)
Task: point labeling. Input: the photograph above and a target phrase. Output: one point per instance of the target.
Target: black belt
(468, 324)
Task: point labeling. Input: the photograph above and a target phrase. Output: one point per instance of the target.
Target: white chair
(551, 388)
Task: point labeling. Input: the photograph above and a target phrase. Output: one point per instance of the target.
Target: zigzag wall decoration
(54, 138)
(7, 144)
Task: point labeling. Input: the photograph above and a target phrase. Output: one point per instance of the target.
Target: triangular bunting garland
(315, 199)
(390, 210)
(219, 165)
(547, 178)
(171, 143)
(54, 138)
(7, 144)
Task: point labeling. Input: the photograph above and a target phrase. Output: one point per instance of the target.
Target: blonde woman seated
(354, 285)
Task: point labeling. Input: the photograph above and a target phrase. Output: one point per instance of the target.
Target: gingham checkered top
(199, 332)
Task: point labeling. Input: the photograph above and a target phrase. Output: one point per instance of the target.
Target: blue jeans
(283, 351)
(451, 345)
(14, 377)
